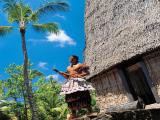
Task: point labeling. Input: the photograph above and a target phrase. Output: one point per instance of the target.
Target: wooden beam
(125, 107)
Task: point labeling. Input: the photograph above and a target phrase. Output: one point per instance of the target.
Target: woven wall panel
(153, 64)
(110, 90)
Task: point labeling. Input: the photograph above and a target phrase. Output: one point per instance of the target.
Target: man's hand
(55, 70)
(65, 75)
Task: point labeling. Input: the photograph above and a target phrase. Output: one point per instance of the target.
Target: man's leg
(73, 114)
(89, 108)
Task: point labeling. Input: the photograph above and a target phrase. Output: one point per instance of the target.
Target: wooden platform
(151, 112)
(141, 114)
(87, 117)
(153, 106)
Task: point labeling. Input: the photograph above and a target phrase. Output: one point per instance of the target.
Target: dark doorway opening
(138, 85)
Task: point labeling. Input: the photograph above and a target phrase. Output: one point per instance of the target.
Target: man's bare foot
(92, 114)
(71, 117)
(89, 108)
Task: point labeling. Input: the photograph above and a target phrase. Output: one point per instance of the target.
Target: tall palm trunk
(27, 83)
(25, 105)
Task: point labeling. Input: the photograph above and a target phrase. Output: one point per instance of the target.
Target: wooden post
(124, 81)
(150, 83)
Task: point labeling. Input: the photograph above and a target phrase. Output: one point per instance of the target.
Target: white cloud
(55, 76)
(42, 65)
(60, 16)
(62, 38)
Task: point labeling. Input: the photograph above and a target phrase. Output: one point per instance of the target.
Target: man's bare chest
(73, 69)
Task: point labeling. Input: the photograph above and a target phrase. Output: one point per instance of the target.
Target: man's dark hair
(76, 57)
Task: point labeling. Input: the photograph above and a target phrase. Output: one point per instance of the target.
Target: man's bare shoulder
(79, 64)
(75, 66)
(68, 68)
(82, 65)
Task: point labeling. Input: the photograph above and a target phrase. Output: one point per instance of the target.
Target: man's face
(73, 60)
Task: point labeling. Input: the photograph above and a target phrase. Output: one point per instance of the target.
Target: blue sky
(46, 50)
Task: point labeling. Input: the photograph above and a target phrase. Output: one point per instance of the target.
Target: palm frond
(26, 12)
(16, 11)
(5, 29)
(12, 9)
(14, 15)
(8, 5)
(50, 27)
(58, 5)
(33, 17)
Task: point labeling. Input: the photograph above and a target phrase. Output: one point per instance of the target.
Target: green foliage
(3, 116)
(24, 15)
(8, 108)
(1, 89)
(93, 102)
(51, 27)
(51, 104)
(19, 85)
(15, 83)
(56, 5)
(5, 29)
(15, 92)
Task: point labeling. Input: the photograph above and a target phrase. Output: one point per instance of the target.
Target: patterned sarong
(75, 85)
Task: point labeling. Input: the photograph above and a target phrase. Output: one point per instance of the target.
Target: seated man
(76, 89)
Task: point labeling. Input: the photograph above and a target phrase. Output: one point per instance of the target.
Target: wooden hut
(123, 50)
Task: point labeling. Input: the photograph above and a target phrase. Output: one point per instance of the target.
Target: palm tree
(22, 14)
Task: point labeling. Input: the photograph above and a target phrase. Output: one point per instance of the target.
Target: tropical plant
(51, 105)
(1, 89)
(12, 109)
(4, 108)
(22, 14)
(15, 90)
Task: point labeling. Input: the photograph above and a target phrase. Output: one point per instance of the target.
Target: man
(76, 89)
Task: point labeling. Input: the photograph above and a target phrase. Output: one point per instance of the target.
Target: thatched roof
(117, 30)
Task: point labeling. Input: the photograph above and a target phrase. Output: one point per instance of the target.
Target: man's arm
(84, 66)
(82, 75)
(85, 70)
(64, 74)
